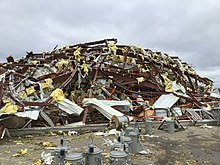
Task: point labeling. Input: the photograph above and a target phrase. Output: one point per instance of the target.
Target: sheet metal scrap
(102, 70)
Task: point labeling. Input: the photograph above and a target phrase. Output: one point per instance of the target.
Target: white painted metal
(166, 101)
(70, 107)
(106, 110)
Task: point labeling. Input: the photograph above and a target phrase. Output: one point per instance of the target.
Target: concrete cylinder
(149, 127)
(57, 159)
(118, 146)
(127, 142)
(128, 130)
(170, 126)
(74, 158)
(93, 156)
(135, 145)
(59, 155)
(118, 158)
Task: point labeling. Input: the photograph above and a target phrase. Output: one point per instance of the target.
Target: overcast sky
(189, 29)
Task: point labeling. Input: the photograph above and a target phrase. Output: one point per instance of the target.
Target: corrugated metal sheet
(117, 103)
(30, 114)
(70, 107)
(166, 101)
(104, 109)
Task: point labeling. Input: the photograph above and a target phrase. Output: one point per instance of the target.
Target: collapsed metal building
(94, 81)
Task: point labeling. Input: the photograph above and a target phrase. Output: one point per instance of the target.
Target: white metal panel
(166, 101)
(30, 114)
(70, 107)
(104, 109)
(117, 103)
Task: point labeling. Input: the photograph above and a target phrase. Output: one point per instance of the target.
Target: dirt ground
(195, 145)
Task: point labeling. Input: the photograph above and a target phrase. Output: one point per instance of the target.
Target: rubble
(94, 81)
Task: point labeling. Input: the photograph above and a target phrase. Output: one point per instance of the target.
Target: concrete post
(149, 127)
(170, 126)
(135, 145)
(118, 158)
(74, 159)
(93, 156)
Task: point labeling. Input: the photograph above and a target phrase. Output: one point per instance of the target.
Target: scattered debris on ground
(194, 146)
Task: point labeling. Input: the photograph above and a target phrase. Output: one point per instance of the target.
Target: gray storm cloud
(188, 29)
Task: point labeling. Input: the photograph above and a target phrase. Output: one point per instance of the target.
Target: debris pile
(97, 80)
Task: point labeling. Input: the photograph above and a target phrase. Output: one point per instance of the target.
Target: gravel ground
(195, 145)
